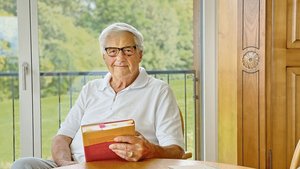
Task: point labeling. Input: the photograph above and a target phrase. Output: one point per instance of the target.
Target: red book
(97, 137)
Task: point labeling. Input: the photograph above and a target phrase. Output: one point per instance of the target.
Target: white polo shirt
(149, 101)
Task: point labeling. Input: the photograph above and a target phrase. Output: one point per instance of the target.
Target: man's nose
(121, 54)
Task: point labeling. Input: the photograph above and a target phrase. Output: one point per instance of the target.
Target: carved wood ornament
(250, 61)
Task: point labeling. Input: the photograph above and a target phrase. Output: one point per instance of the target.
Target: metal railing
(68, 84)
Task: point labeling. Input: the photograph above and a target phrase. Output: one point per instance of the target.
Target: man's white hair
(121, 27)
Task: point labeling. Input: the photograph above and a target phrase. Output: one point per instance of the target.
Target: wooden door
(283, 80)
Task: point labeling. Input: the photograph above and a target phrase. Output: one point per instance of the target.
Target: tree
(8, 7)
(68, 33)
(167, 34)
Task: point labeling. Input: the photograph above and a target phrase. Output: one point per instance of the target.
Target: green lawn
(6, 132)
(50, 122)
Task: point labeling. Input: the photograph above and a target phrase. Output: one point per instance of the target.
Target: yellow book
(97, 137)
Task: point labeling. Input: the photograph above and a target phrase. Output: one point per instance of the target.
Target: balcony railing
(63, 90)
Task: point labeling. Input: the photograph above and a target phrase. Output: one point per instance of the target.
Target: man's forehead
(119, 37)
(122, 34)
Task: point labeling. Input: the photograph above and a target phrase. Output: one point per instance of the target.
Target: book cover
(97, 137)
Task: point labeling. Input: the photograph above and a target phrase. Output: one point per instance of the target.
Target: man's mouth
(120, 65)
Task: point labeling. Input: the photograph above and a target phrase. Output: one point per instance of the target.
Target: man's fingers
(125, 139)
(120, 153)
(120, 146)
(127, 155)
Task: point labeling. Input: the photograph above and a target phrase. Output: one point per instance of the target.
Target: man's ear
(141, 55)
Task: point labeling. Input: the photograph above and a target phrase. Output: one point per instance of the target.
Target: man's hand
(135, 148)
(132, 148)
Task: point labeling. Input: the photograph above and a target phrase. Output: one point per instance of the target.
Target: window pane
(9, 93)
(68, 33)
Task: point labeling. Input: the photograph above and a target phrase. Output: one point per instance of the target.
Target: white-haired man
(126, 92)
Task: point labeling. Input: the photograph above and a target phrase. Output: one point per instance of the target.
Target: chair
(296, 157)
(186, 155)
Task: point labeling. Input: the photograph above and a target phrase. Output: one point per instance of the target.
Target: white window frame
(206, 67)
(29, 83)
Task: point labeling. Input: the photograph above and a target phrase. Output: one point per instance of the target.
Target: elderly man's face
(122, 65)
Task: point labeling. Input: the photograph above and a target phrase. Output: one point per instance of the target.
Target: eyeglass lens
(127, 50)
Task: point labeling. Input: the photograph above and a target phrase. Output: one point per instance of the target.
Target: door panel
(283, 77)
(293, 38)
(293, 109)
(250, 119)
(251, 84)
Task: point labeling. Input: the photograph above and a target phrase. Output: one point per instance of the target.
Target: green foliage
(63, 45)
(8, 8)
(166, 26)
(68, 33)
(8, 64)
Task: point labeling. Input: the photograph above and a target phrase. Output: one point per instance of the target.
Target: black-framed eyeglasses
(127, 50)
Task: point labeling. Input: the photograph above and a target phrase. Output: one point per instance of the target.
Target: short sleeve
(72, 122)
(168, 120)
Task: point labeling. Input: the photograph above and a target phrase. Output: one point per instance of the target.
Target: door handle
(25, 67)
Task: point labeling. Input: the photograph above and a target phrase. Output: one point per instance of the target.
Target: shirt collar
(139, 82)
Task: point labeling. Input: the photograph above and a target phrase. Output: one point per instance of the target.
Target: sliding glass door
(9, 84)
(69, 53)
(58, 53)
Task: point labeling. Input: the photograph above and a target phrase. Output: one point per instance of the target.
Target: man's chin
(121, 71)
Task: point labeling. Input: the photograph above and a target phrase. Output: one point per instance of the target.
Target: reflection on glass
(9, 103)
